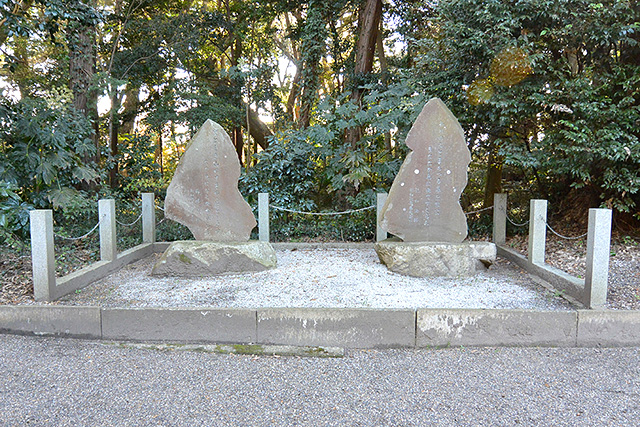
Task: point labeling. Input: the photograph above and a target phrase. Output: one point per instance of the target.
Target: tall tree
(369, 17)
(81, 40)
(313, 50)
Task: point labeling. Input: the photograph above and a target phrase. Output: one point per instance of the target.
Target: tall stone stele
(203, 195)
(423, 206)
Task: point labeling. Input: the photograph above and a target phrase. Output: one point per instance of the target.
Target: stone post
(537, 230)
(263, 217)
(148, 218)
(107, 215)
(500, 218)
(43, 260)
(381, 232)
(598, 250)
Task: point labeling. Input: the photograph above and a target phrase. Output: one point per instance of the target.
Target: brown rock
(203, 194)
(424, 201)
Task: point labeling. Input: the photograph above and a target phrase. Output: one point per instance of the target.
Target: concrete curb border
(349, 328)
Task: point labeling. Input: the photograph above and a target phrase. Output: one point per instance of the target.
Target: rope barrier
(564, 237)
(130, 224)
(479, 210)
(78, 238)
(516, 224)
(322, 213)
(160, 208)
(353, 210)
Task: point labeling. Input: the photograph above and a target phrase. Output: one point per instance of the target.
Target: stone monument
(423, 206)
(203, 195)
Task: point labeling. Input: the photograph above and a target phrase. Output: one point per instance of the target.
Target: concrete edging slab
(475, 327)
(179, 324)
(82, 322)
(330, 327)
(350, 328)
(608, 328)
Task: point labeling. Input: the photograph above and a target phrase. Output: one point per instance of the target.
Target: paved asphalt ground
(66, 382)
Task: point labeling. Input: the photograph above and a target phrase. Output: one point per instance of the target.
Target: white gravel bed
(334, 278)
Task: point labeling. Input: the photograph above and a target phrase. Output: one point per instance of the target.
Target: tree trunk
(237, 142)
(114, 122)
(382, 58)
(369, 23)
(81, 41)
(313, 49)
(258, 130)
(294, 92)
(236, 51)
(131, 105)
(380, 52)
(82, 65)
(158, 156)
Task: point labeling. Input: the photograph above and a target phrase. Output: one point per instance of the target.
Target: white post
(381, 232)
(598, 251)
(263, 217)
(43, 260)
(537, 230)
(500, 218)
(107, 214)
(148, 218)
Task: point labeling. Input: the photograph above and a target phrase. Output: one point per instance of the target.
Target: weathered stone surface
(473, 327)
(421, 259)
(343, 327)
(195, 258)
(203, 194)
(423, 203)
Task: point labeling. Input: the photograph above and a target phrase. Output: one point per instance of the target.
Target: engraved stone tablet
(203, 194)
(424, 201)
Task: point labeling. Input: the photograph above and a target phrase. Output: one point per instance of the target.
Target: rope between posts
(354, 210)
(160, 208)
(479, 210)
(78, 238)
(322, 213)
(129, 224)
(565, 237)
(516, 224)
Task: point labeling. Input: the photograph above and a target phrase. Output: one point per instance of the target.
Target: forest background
(100, 98)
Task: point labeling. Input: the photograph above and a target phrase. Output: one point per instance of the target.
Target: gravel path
(57, 382)
(321, 278)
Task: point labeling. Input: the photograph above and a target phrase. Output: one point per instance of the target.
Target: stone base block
(428, 259)
(194, 258)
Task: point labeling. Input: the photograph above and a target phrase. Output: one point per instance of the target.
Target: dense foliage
(100, 98)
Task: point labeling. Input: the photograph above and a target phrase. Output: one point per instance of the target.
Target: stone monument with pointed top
(423, 206)
(203, 195)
